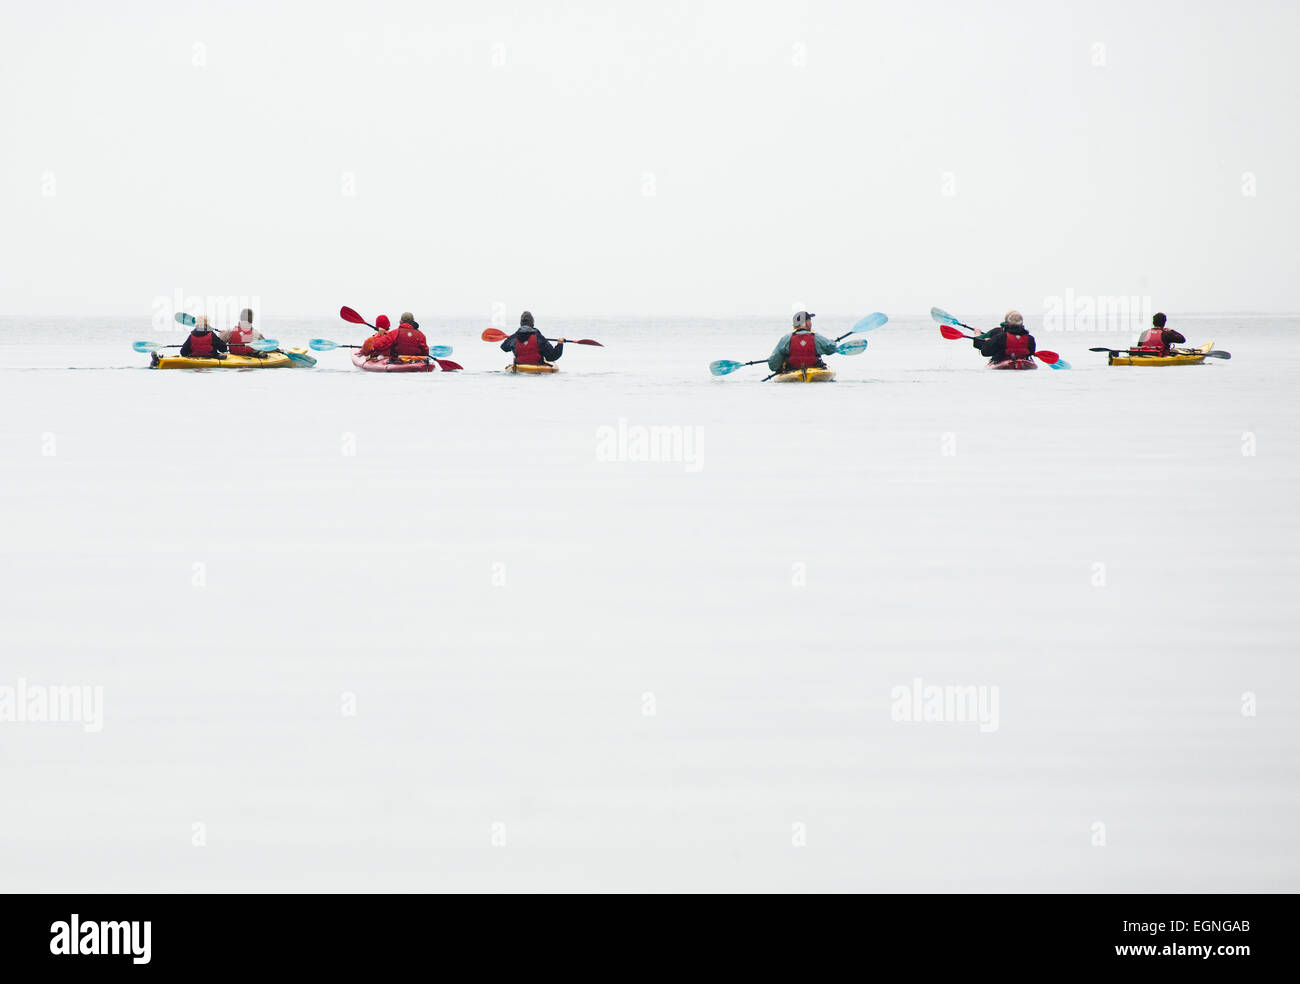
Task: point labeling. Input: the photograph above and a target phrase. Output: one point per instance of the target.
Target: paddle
(261, 345)
(1046, 357)
(724, 367)
(944, 318)
(870, 323)
(1215, 354)
(497, 335)
(325, 345)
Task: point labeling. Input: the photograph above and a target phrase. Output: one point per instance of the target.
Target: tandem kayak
(1186, 357)
(403, 363)
(1013, 364)
(544, 368)
(812, 375)
(267, 360)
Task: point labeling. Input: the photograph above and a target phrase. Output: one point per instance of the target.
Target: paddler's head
(526, 321)
(803, 321)
(1013, 320)
(382, 322)
(1159, 320)
(246, 318)
(409, 319)
(201, 323)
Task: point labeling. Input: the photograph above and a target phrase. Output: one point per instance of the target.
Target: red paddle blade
(947, 331)
(585, 341)
(382, 322)
(1048, 357)
(347, 314)
(446, 365)
(493, 335)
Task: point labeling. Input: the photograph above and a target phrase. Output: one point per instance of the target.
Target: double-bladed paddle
(1214, 354)
(497, 335)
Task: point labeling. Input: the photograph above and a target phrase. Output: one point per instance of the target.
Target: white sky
(775, 184)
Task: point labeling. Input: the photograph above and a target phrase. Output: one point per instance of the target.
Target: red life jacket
(201, 345)
(410, 341)
(238, 336)
(1017, 346)
(527, 350)
(1153, 340)
(803, 351)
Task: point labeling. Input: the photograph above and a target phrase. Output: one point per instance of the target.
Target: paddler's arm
(550, 352)
(825, 346)
(779, 354)
(508, 345)
(219, 343)
(1172, 337)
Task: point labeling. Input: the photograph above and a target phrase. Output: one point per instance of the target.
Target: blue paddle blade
(146, 346)
(301, 359)
(1060, 364)
(264, 345)
(944, 318)
(852, 347)
(439, 351)
(185, 318)
(870, 323)
(322, 345)
(721, 367)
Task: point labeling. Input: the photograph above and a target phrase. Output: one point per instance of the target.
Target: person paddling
(803, 348)
(405, 339)
(529, 347)
(203, 342)
(1157, 339)
(1008, 340)
(237, 338)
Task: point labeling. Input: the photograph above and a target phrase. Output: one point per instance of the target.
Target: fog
(655, 159)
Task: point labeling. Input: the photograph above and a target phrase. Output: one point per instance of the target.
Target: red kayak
(1013, 364)
(403, 363)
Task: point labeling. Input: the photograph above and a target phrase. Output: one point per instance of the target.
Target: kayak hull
(382, 363)
(1193, 358)
(1014, 364)
(544, 369)
(268, 360)
(812, 375)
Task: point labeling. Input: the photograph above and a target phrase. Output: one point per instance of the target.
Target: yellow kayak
(805, 376)
(269, 360)
(532, 370)
(1185, 357)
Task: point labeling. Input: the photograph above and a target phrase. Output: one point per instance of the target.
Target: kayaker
(1157, 339)
(243, 333)
(203, 343)
(529, 347)
(405, 339)
(1009, 340)
(803, 348)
